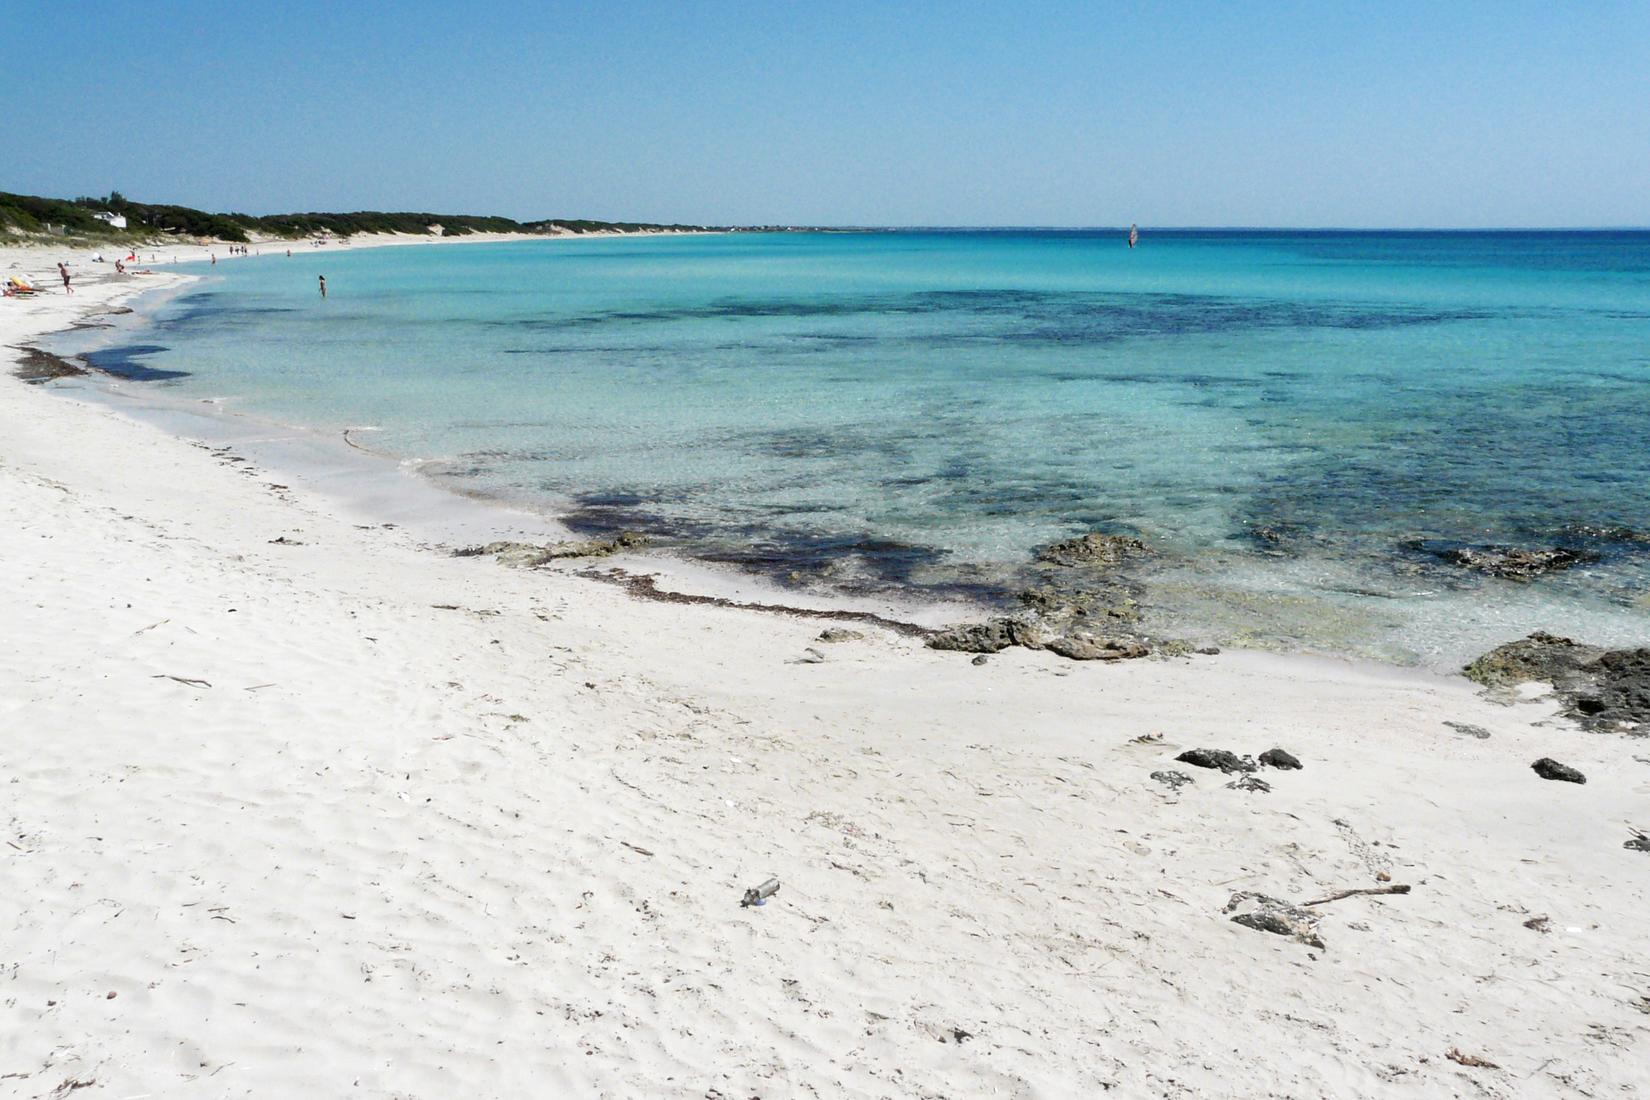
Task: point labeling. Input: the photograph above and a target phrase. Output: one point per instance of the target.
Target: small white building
(116, 220)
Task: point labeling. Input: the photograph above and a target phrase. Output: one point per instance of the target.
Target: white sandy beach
(344, 815)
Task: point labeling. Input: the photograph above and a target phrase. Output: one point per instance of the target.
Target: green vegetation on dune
(29, 215)
(376, 221)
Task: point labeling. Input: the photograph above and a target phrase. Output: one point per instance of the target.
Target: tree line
(34, 214)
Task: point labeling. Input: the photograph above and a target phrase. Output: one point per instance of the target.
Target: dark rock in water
(1269, 914)
(1639, 843)
(1548, 768)
(1092, 549)
(1277, 538)
(839, 634)
(987, 637)
(1280, 759)
(1603, 689)
(1470, 730)
(1089, 648)
(1270, 536)
(1511, 562)
(1218, 759)
(1110, 602)
(1173, 780)
(1250, 783)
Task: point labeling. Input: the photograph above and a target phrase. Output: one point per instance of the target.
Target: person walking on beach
(323, 286)
(64, 271)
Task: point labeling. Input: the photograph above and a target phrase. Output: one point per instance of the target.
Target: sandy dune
(346, 816)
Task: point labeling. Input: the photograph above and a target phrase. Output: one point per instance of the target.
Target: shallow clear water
(1283, 415)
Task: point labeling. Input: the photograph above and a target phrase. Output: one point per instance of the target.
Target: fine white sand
(346, 816)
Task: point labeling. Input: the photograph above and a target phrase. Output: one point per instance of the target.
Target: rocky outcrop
(527, 555)
(1094, 548)
(1090, 648)
(1082, 615)
(1077, 644)
(991, 636)
(1603, 689)
(1622, 694)
(1541, 657)
(1109, 603)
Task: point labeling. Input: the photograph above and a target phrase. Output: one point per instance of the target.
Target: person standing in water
(323, 286)
(64, 271)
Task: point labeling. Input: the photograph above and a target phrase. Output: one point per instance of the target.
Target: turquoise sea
(1300, 423)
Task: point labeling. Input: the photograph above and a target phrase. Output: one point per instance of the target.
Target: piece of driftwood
(181, 679)
(1396, 888)
(1454, 1054)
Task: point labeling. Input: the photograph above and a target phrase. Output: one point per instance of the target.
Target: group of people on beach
(120, 269)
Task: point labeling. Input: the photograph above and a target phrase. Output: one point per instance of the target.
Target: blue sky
(1391, 114)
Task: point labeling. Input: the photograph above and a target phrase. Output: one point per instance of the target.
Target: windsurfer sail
(1134, 235)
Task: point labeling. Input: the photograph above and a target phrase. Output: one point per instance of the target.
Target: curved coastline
(391, 489)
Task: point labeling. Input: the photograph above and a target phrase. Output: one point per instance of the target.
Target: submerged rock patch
(1509, 562)
(1094, 548)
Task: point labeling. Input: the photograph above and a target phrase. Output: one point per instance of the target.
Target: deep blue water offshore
(1293, 420)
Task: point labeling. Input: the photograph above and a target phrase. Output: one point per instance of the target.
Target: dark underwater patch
(1036, 316)
(124, 361)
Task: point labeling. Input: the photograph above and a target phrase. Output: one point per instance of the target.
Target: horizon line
(1258, 228)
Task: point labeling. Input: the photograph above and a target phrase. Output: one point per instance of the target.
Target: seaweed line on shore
(646, 586)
